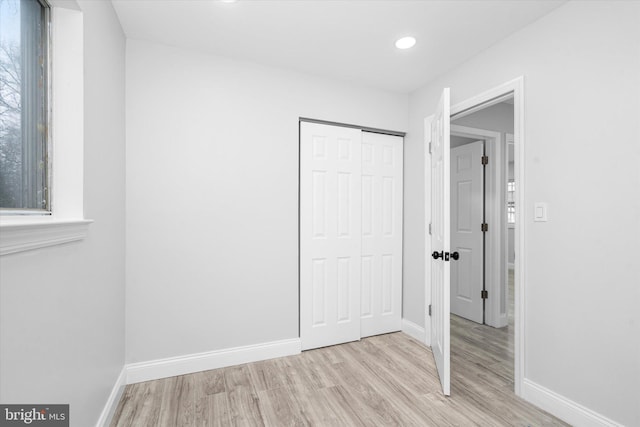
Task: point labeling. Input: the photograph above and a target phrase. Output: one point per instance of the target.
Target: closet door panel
(330, 234)
(382, 233)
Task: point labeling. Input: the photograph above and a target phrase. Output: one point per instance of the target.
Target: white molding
(113, 400)
(488, 98)
(562, 407)
(67, 112)
(414, 330)
(25, 235)
(170, 367)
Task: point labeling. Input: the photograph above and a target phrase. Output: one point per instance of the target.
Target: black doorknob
(437, 254)
(455, 255)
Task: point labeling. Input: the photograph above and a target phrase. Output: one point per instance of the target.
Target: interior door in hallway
(330, 234)
(467, 205)
(437, 133)
(381, 290)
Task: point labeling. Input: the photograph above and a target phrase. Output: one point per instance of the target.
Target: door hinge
(484, 294)
(429, 228)
(485, 160)
(429, 309)
(484, 227)
(429, 148)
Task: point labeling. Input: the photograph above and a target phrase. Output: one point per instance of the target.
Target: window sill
(28, 233)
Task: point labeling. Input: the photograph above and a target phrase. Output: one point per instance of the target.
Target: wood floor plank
(212, 410)
(350, 407)
(244, 408)
(144, 405)
(374, 394)
(238, 377)
(319, 369)
(126, 406)
(317, 407)
(307, 375)
(267, 375)
(280, 407)
(208, 382)
(178, 404)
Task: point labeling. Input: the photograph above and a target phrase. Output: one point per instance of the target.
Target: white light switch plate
(540, 211)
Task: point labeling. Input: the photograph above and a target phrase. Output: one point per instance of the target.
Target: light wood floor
(379, 381)
(472, 343)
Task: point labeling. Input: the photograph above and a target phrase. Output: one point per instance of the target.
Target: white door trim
(515, 87)
(495, 273)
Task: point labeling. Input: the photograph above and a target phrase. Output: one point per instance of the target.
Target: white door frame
(490, 97)
(495, 185)
(466, 168)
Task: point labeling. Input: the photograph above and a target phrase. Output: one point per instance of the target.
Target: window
(27, 127)
(511, 202)
(24, 89)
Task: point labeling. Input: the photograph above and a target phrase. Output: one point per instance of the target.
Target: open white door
(467, 206)
(440, 233)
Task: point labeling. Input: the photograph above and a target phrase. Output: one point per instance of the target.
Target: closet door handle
(437, 254)
(455, 255)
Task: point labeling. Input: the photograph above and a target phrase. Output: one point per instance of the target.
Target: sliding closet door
(330, 234)
(381, 289)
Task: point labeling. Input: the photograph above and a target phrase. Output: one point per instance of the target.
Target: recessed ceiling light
(405, 42)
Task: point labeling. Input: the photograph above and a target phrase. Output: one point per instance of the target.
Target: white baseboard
(413, 330)
(164, 368)
(113, 400)
(563, 408)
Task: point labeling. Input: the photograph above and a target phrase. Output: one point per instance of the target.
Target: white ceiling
(351, 40)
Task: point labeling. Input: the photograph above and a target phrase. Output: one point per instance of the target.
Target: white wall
(212, 195)
(62, 307)
(581, 65)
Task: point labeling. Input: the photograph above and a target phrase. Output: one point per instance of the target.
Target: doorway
(479, 281)
(437, 137)
(482, 208)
